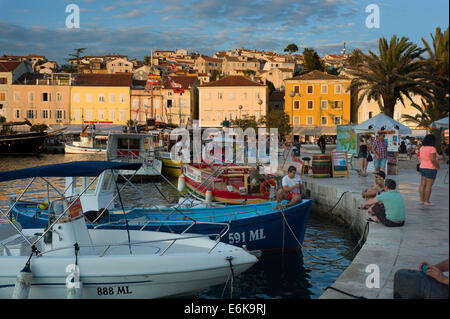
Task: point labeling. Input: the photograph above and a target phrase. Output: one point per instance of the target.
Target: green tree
(396, 73)
(215, 75)
(356, 58)
(311, 61)
(76, 55)
(277, 119)
(147, 60)
(249, 73)
(291, 48)
(245, 122)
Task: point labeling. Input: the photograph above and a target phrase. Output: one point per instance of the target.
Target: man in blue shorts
(379, 150)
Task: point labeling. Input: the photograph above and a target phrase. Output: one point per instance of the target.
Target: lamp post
(240, 112)
(260, 103)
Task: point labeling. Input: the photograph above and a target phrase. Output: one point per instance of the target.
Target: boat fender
(262, 187)
(43, 205)
(208, 196)
(74, 284)
(181, 183)
(23, 281)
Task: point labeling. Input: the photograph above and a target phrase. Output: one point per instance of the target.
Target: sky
(135, 27)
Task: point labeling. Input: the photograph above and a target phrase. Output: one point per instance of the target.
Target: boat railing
(140, 243)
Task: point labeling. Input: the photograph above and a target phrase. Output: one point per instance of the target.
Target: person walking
(362, 155)
(379, 150)
(322, 144)
(429, 164)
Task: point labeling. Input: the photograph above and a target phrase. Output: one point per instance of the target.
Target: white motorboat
(68, 260)
(87, 145)
(135, 148)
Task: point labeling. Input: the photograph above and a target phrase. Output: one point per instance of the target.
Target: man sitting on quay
(291, 188)
(389, 208)
(429, 282)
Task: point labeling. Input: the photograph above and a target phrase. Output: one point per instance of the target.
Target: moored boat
(68, 260)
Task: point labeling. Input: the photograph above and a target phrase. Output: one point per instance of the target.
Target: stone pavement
(424, 237)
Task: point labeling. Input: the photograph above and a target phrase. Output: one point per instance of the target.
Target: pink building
(41, 99)
(141, 103)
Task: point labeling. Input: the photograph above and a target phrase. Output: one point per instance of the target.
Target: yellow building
(101, 99)
(316, 102)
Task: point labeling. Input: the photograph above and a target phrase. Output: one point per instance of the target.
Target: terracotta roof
(207, 58)
(232, 80)
(9, 66)
(318, 75)
(113, 79)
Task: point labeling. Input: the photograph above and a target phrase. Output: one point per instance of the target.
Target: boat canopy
(71, 169)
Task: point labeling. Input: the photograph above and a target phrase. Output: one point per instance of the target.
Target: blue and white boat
(65, 259)
(258, 226)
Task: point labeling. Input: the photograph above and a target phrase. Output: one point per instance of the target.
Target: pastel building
(320, 101)
(101, 98)
(146, 104)
(231, 98)
(42, 99)
(10, 71)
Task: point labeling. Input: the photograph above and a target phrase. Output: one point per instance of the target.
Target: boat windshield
(128, 143)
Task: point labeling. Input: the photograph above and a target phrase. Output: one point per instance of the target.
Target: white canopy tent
(381, 122)
(442, 123)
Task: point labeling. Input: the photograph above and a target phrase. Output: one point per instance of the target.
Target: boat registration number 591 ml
(242, 237)
(107, 291)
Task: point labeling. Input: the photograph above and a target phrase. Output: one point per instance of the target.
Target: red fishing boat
(232, 184)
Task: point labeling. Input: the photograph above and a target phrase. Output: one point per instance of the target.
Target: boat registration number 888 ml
(108, 291)
(242, 237)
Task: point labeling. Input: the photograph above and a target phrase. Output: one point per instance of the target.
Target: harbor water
(300, 274)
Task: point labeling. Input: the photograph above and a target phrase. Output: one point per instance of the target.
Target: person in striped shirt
(379, 150)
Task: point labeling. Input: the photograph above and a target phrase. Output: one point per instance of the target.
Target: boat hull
(171, 168)
(75, 149)
(22, 144)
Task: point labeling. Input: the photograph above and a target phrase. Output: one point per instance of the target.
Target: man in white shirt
(291, 188)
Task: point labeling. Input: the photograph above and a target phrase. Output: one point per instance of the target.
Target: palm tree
(425, 117)
(386, 78)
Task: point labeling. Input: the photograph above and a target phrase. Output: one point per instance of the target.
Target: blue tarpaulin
(71, 169)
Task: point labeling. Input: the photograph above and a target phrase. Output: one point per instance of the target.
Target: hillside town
(176, 87)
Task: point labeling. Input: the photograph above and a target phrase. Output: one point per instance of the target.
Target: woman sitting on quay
(370, 193)
(429, 165)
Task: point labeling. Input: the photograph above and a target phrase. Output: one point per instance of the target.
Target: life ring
(262, 187)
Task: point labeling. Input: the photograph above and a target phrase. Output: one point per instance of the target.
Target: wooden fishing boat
(234, 184)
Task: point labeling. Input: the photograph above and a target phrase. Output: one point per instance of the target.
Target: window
(16, 96)
(122, 115)
(323, 120)
(112, 115)
(101, 98)
(76, 114)
(112, 98)
(59, 114)
(244, 95)
(30, 96)
(337, 88)
(207, 115)
(310, 89)
(89, 98)
(122, 98)
(309, 120)
(59, 96)
(45, 114)
(89, 114)
(337, 120)
(310, 105)
(370, 115)
(3, 81)
(232, 95)
(296, 105)
(31, 114)
(135, 103)
(324, 89)
(338, 104)
(324, 104)
(207, 95)
(17, 113)
(2, 96)
(45, 97)
(219, 95)
(101, 115)
(76, 97)
(296, 120)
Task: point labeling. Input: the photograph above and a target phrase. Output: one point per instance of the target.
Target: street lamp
(260, 103)
(240, 113)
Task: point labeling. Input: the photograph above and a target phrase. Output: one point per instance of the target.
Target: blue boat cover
(71, 169)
